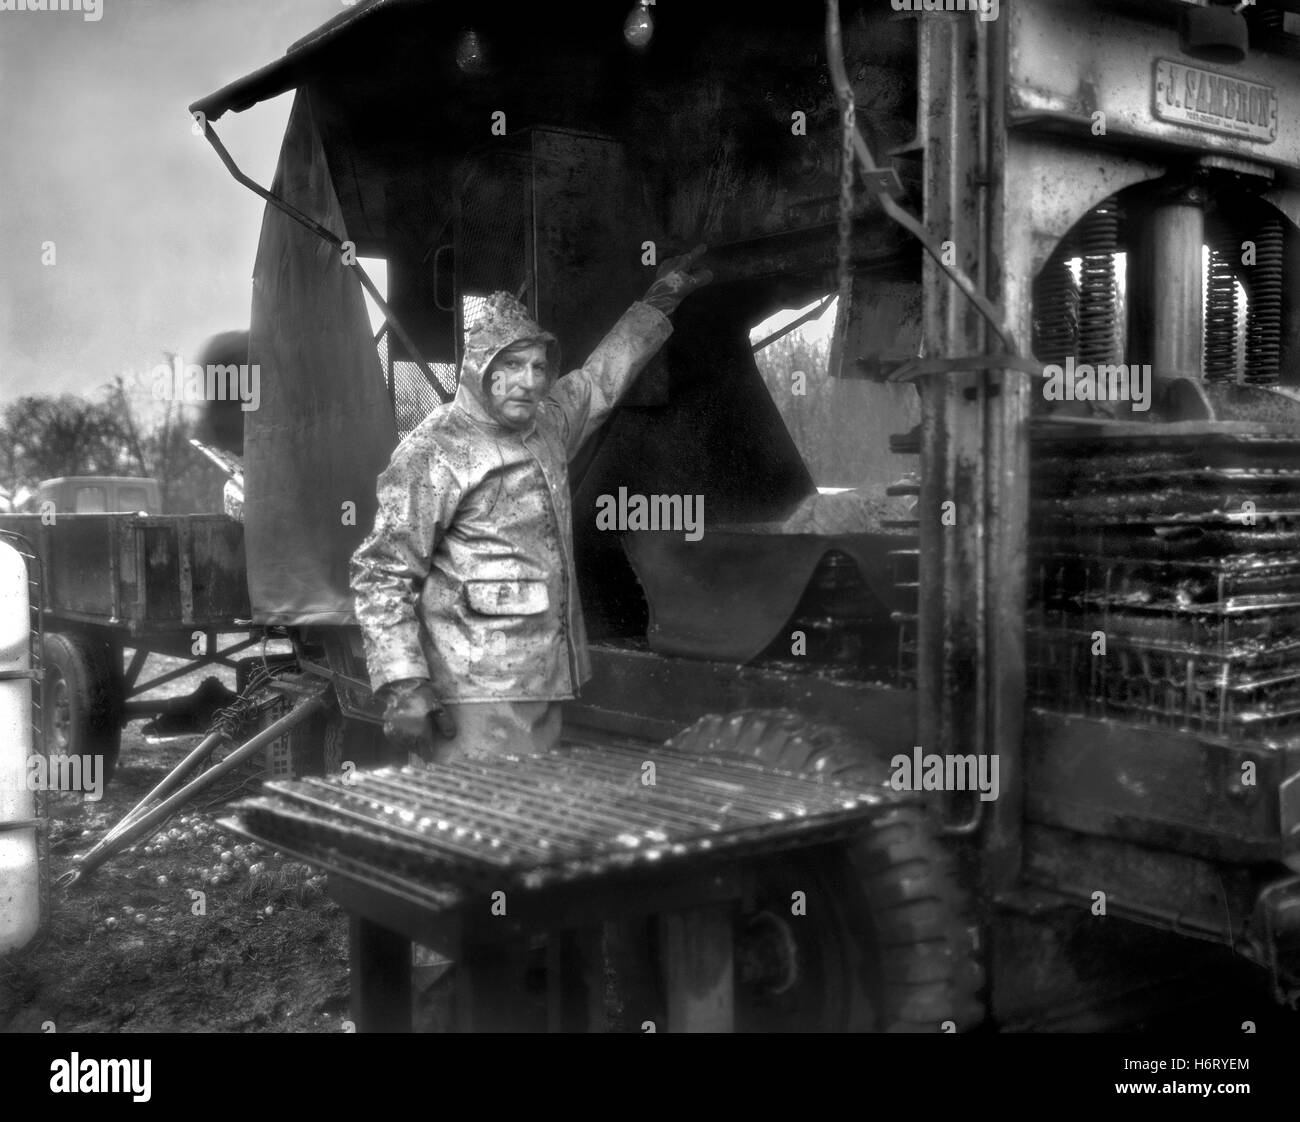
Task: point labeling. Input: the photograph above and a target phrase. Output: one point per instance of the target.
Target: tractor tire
(885, 943)
(81, 701)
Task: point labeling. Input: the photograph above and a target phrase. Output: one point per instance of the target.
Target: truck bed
(142, 574)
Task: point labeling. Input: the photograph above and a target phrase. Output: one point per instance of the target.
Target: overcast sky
(154, 242)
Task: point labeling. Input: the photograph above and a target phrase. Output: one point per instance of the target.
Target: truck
(98, 494)
(118, 576)
(1092, 605)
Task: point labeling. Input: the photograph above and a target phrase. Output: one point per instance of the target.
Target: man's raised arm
(586, 397)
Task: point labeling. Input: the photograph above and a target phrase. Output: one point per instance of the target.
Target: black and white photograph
(637, 516)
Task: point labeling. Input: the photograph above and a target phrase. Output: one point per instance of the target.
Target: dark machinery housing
(1103, 596)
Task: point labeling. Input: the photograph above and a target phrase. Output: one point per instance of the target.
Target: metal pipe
(110, 846)
(326, 235)
(781, 332)
(191, 666)
(1177, 237)
(843, 89)
(201, 750)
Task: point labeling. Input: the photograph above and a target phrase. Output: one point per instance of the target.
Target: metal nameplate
(1223, 103)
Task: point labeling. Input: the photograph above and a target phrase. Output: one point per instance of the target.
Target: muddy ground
(135, 949)
(263, 949)
(126, 951)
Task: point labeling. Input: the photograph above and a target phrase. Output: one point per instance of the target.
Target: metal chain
(846, 198)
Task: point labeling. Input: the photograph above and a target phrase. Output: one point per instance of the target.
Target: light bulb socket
(639, 27)
(470, 56)
(1214, 34)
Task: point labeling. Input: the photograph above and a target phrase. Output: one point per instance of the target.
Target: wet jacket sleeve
(584, 398)
(418, 496)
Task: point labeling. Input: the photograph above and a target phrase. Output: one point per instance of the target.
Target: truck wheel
(884, 942)
(325, 742)
(81, 701)
(306, 744)
(353, 741)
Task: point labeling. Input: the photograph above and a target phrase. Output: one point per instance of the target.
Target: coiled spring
(1056, 310)
(1264, 329)
(1221, 308)
(1098, 315)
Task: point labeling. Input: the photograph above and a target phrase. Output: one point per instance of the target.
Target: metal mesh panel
(414, 398)
(409, 390)
(492, 256)
(1183, 552)
(575, 814)
(471, 311)
(494, 233)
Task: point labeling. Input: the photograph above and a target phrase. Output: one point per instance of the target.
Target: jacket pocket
(507, 597)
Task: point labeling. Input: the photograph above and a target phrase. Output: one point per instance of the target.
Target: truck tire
(356, 742)
(326, 742)
(81, 701)
(885, 943)
(306, 744)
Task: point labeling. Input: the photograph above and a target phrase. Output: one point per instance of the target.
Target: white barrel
(20, 898)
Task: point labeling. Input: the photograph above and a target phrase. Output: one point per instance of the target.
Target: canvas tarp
(324, 429)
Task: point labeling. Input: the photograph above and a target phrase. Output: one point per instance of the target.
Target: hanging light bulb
(639, 26)
(469, 53)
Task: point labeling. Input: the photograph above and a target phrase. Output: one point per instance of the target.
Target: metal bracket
(10, 675)
(883, 367)
(882, 181)
(913, 369)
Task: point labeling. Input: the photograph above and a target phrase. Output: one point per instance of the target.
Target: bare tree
(795, 371)
(841, 426)
(126, 431)
(51, 436)
(154, 435)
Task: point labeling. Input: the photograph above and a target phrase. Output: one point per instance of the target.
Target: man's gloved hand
(676, 279)
(409, 706)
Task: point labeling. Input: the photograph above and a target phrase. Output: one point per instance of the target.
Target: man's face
(516, 382)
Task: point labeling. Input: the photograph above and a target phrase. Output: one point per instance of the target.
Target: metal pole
(1177, 235)
(329, 237)
(202, 749)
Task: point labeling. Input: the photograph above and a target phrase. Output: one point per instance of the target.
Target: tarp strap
(332, 239)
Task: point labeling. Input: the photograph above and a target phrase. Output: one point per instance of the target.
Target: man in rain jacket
(465, 588)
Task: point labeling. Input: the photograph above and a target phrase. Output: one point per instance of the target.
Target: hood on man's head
(502, 322)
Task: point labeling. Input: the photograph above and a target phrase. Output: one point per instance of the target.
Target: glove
(676, 280)
(409, 706)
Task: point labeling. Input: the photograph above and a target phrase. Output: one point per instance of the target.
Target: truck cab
(99, 494)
